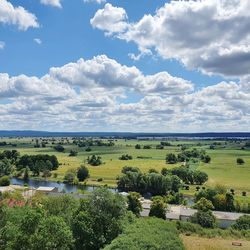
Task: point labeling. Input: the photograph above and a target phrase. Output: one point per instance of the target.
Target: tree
(59, 148)
(243, 223)
(171, 158)
(73, 153)
(206, 159)
(204, 218)
(69, 176)
(200, 177)
(52, 233)
(126, 157)
(158, 208)
(4, 181)
(134, 203)
(240, 161)
(204, 205)
(82, 173)
(26, 174)
(99, 219)
(137, 146)
(94, 160)
(5, 167)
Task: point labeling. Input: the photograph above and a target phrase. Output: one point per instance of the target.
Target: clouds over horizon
(212, 36)
(93, 95)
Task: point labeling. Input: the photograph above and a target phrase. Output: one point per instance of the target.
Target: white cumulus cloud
(17, 16)
(54, 3)
(212, 36)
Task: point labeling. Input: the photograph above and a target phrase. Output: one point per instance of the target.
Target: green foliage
(171, 158)
(204, 218)
(134, 204)
(158, 208)
(204, 205)
(157, 184)
(52, 233)
(99, 219)
(4, 181)
(70, 176)
(240, 161)
(126, 157)
(137, 146)
(147, 234)
(94, 160)
(63, 206)
(73, 153)
(243, 223)
(82, 173)
(59, 148)
(5, 167)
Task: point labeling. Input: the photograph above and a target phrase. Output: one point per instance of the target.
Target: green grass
(222, 169)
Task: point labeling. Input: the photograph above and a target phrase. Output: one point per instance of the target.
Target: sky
(125, 65)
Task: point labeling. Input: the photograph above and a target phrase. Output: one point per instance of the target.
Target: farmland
(222, 169)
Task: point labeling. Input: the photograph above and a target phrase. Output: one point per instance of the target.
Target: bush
(82, 173)
(240, 161)
(59, 148)
(126, 157)
(150, 233)
(73, 153)
(94, 160)
(4, 181)
(243, 223)
(204, 218)
(158, 208)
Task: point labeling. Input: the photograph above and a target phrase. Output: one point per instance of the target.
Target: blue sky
(188, 59)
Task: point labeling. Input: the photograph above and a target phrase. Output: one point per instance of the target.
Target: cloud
(2, 45)
(212, 36)
(17, 16)
(111, 19)
(38, 41)
(98, 95)
(54, 3)
(94, 1)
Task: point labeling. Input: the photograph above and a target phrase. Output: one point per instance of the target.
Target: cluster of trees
(59, 148)
(74, 176)
(38, 163)
(187, 155)
(138, 146)
(91, 143)
(63, 222)
(219, 197)
(132, 179)
(187, 175)
(94, 160)
(126, 157)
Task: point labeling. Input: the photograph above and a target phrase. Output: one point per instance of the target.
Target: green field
(223, 168)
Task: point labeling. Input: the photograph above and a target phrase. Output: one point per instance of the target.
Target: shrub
(240, 161)
(4, 181)
(158, 208)
(243, 223)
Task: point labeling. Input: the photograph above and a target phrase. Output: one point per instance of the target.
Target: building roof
(6, 189)
(46, 189)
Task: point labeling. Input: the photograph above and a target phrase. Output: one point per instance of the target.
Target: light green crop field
(223, 168)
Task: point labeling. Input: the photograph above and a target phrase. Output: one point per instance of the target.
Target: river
(62, 187)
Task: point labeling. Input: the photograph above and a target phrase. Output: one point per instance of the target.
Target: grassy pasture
(199, 243)
(222, 169)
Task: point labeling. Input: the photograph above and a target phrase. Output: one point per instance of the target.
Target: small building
(47, 190)
(225, 219)
(6, 189)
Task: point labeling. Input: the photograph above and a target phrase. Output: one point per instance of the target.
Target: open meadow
(223, 168)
